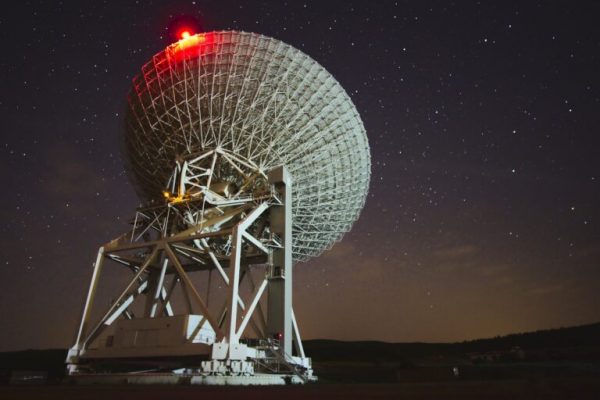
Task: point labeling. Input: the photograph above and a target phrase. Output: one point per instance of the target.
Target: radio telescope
(249, 157)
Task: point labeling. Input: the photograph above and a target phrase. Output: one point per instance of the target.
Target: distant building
(19, 377)
(515, 353)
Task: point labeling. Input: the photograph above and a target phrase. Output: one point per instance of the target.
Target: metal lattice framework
(264, 102)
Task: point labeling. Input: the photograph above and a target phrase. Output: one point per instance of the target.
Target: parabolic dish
(265, 101)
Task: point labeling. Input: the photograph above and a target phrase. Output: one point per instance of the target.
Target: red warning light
(191, 45)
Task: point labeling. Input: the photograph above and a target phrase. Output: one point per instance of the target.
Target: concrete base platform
(257, 379)
(181, 379)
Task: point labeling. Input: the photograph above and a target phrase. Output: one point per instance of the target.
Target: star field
(482, 217)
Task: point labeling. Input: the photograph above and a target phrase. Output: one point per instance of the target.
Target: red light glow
(191, 45)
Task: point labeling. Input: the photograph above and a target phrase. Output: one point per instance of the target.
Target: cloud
(455, 252)
(68, 175)
(494, 270)
(547, 289)
(589, 251)
(352, 263)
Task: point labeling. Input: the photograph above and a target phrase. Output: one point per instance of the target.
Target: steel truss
(224, 215)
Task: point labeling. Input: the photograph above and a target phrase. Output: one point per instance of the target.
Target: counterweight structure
(249, 157)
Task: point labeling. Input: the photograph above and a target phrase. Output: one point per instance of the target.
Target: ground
(575, 388)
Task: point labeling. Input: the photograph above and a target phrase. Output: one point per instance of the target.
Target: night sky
(483, 214)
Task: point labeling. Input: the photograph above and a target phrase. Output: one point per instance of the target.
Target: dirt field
(555, 389)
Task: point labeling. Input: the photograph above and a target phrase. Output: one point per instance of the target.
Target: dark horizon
(482, 217)
(313, 340)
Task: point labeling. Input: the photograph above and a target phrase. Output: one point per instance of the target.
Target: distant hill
(51, 361)
(572, 337)
(583, 335)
